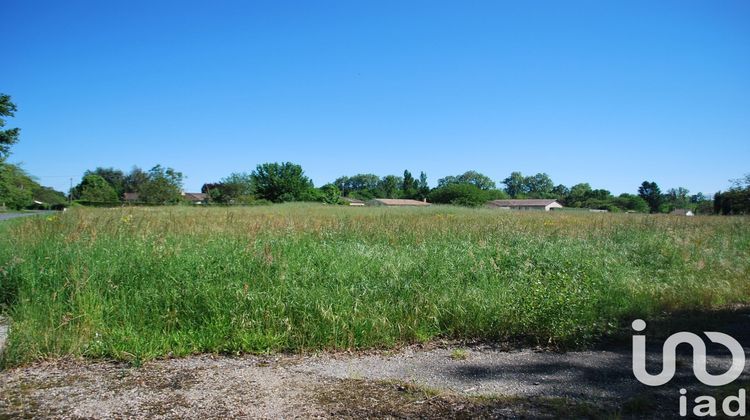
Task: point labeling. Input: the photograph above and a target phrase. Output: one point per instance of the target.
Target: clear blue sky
(612, 93)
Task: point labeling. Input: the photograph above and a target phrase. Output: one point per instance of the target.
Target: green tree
(16, 187)
(237, 188)
(49, 196)
(632, 202)
(514, 184)
(538, 186)
(331, 194)
(423, 188)
(361, 185)
(135, 180)
(650, 192)
(389, 187)
(560, 192)
(114, 177)
(464, 194)
(163, 186)
(578, 195)
(677, 198)
(481, 181)
(8, 137)
(408, 185)
(279, 182)
(95, 189)
(736, 200)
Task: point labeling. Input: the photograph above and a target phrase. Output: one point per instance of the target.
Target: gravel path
(436, 381)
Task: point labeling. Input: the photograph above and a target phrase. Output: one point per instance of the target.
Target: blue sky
(610, 93)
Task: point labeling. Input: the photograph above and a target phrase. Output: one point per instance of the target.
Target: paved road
(8, 216)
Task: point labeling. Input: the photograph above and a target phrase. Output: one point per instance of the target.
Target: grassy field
(138, 283)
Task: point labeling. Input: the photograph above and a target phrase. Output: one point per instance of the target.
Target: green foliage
(463, 194)
(49, 196)
(408, 186)
(163, 186)
(237, 188)
(135, 180)
(280, 182)
(362, 185)
(114, 177)
(95, 189)
(475, 178)
(331, 194)
(423, 189)
(132, 283)
(16, 187)
(632, 202)
(8, 137)
(514, 184)
(389, 187)
(534, 186)
(539, 186)
(677, 198)
(651, 193)
(736, 200)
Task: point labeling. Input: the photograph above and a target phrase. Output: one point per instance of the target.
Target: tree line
(283, 182)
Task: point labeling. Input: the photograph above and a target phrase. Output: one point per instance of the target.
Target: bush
(468, 195)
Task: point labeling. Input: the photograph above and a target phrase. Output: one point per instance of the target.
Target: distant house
(397, 202)
(531, 204)
(195, 198)
(353, 201)
(130, 197)
(681, 212)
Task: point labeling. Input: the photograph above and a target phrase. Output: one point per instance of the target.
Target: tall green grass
(138, 283)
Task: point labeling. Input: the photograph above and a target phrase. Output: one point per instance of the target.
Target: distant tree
(450, 179)
(697, 198)
(331, 194)
(389, 187)
(677, 198)
(237, 188)
(8, 137)
(49, 196)
(514, 184)
(342, 183)
(135, 180)
(15, 187)
(461, 194)
(742, 183)
(214, 192)
(114, 177)
(632, 202)
(96, 189)
(650, 192)
(164, 186)
(481, 181)
(279, 182)
(704, 207)
(538, 186)
(578, 195)
(423, 189)
(408, 185)
(736, 200)
(561, 192)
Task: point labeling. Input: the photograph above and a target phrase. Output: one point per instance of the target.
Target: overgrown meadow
(139, 283)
